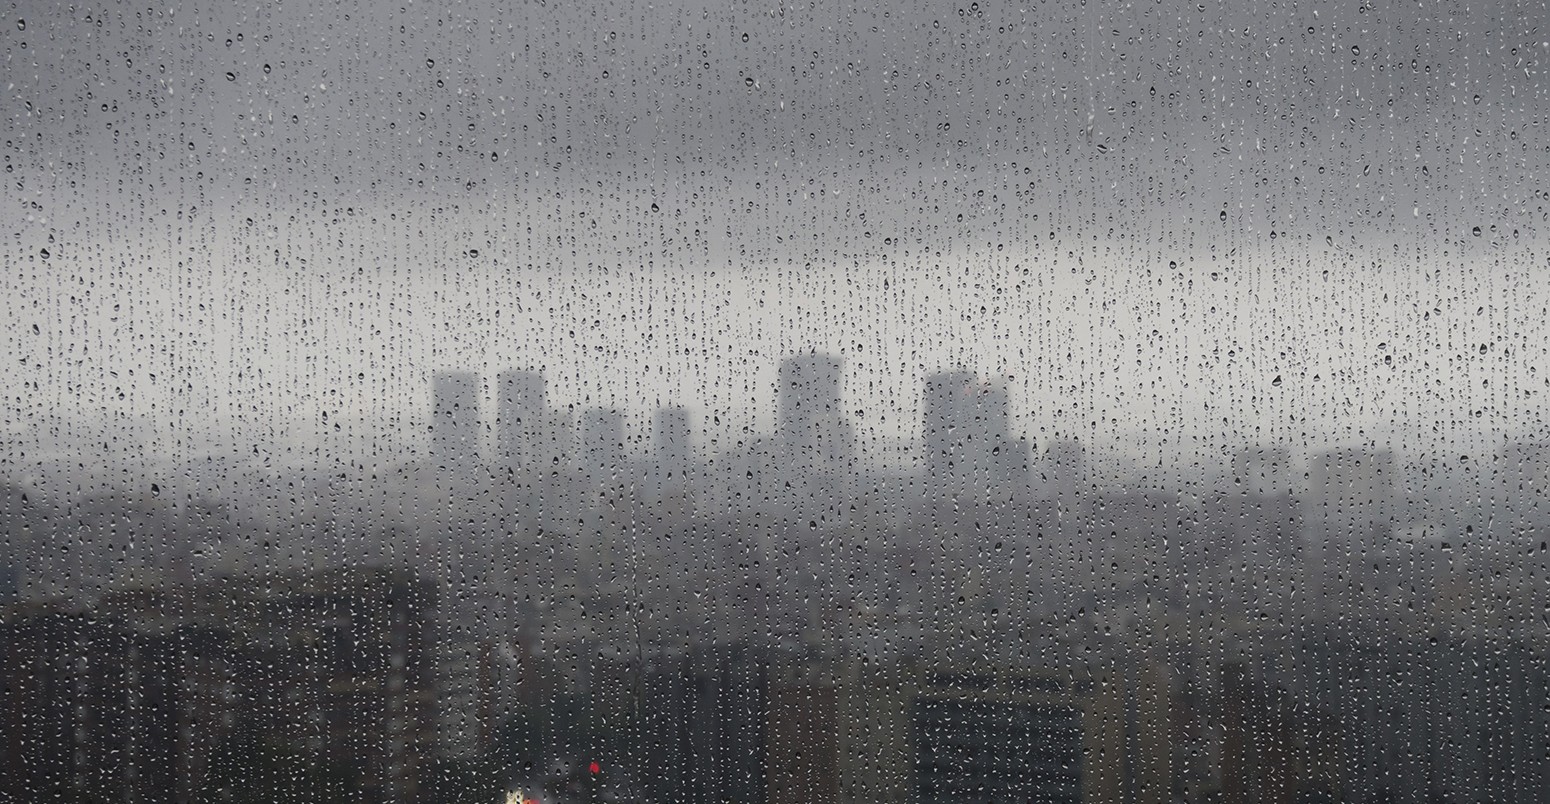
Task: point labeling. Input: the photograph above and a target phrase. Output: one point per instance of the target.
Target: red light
(595, 768)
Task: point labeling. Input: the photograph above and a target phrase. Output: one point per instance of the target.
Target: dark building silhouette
(708, 725)
(969, 446)
(90, 707)
(172, 693)
(1273, 750)
(802, 762)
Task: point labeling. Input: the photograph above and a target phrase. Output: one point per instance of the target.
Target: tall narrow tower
(968, 434)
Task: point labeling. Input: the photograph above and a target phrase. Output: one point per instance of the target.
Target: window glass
(487, 402)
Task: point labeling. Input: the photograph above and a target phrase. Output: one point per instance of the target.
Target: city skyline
(478, 404)
(1391, 376)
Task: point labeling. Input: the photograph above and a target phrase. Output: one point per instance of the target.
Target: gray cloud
(1145, 213)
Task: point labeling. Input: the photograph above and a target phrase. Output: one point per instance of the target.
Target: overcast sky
(1167, 222)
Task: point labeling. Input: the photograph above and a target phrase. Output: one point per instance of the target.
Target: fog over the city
(551, 402)
(1171, 226)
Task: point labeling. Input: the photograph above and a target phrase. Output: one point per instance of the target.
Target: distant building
(139, 701)
(1274, 751)
(556, 441)
(969, 445)
(455, 418)
(91, 706)
(703, 713)
(478, 687)
(924, 733)
(1393, 719)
